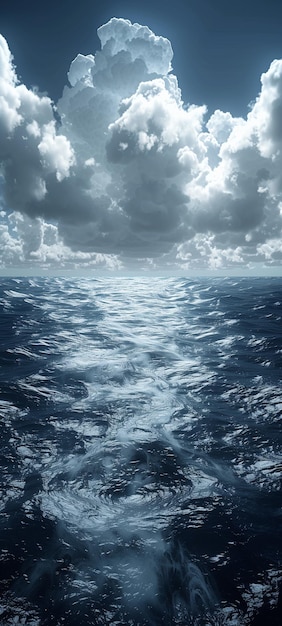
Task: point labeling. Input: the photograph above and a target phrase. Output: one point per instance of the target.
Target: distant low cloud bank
(120, 173)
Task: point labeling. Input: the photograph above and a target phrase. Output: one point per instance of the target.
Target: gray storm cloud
(121, 171)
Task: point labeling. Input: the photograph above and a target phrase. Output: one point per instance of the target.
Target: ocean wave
(141, 451)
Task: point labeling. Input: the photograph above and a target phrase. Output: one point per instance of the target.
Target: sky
(152, 145)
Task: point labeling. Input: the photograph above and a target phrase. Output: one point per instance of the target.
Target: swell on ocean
(141, 451)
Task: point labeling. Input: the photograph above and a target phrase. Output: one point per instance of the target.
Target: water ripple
(141, 451)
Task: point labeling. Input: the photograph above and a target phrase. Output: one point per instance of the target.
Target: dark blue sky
(220, 48)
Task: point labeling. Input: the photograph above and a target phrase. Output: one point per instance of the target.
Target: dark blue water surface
(141, 452)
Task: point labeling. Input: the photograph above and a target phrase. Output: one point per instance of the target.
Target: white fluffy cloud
(122, 173)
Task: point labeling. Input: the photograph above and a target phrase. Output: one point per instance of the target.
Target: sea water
(141, 453)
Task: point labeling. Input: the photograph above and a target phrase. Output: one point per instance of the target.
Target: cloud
(122, 173)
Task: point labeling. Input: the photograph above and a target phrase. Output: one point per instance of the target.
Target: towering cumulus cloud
(122, 173)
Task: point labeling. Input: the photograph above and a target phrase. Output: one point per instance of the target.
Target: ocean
(140, 451)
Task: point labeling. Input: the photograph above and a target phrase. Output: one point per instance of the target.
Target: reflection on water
(141, 452)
